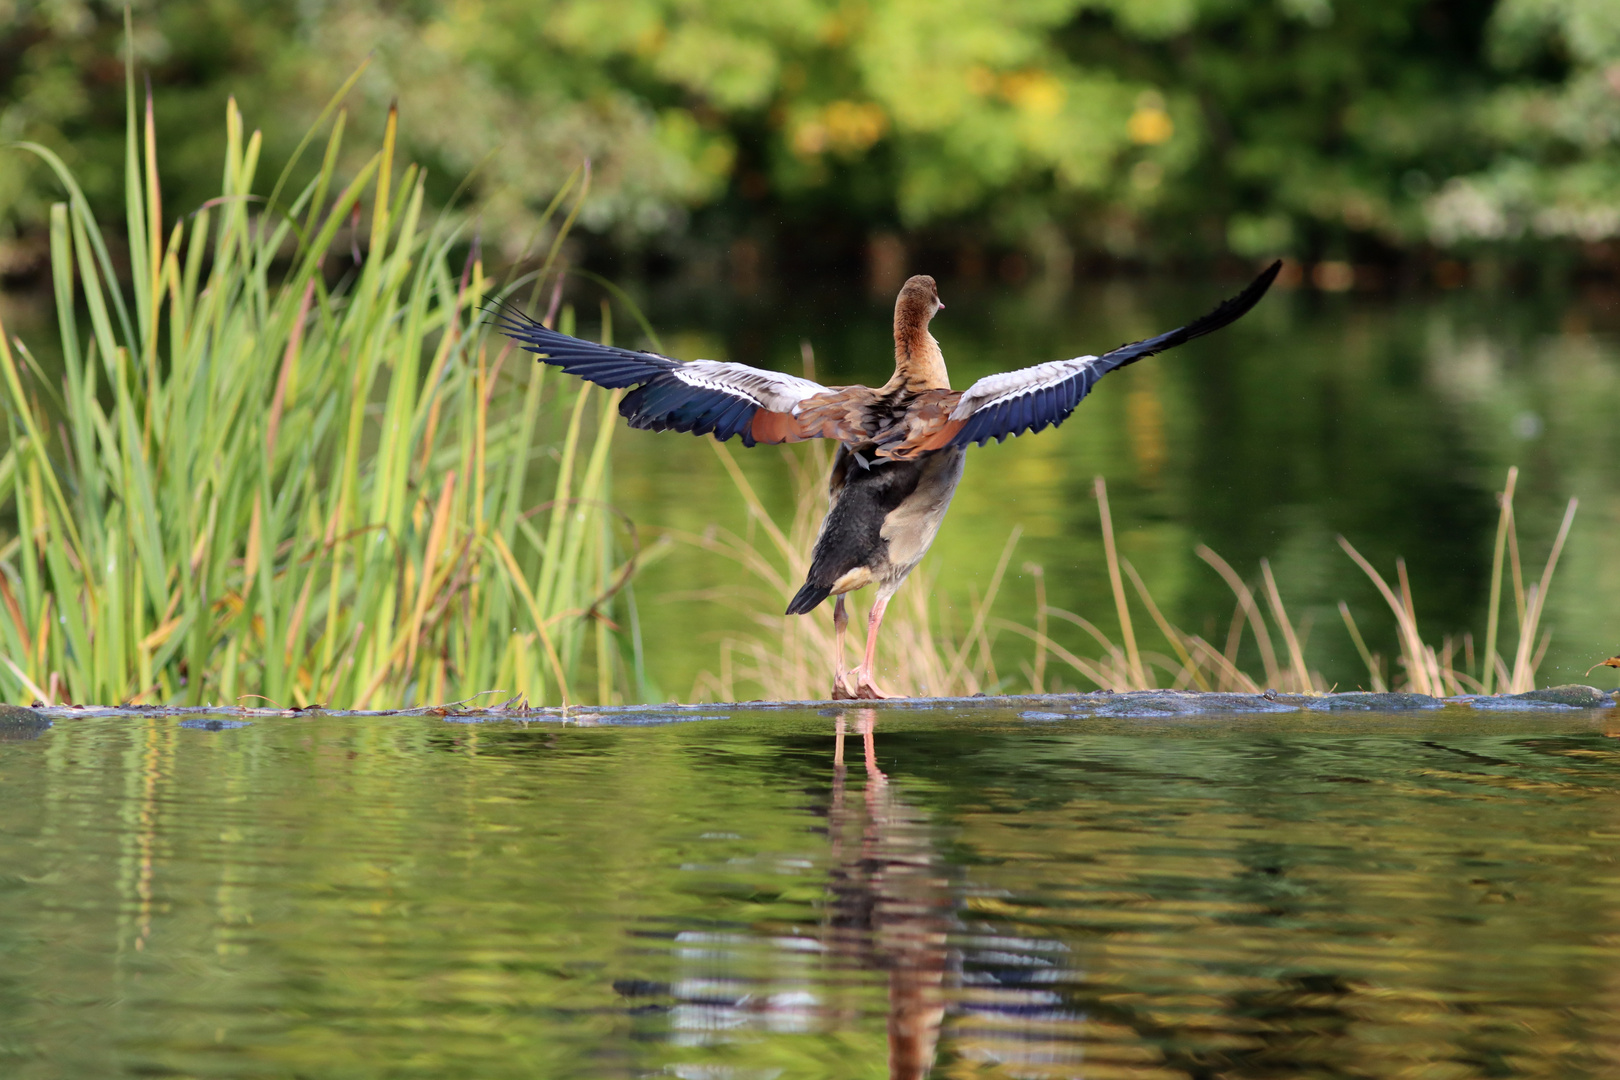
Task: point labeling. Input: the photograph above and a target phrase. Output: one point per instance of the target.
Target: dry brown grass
(924, 651)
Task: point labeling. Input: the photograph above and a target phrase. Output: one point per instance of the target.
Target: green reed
(275, 471)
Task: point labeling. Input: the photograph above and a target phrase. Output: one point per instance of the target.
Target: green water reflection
(754, 897)
(1391, 421)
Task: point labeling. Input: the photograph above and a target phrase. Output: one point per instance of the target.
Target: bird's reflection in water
(891, 903)
(895, 905)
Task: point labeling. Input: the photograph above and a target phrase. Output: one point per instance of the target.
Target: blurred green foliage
(1141, 128)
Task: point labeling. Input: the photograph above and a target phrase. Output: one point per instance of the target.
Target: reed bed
(291, 465)
(924, 650)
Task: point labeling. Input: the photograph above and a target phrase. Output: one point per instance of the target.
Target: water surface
(751, 896)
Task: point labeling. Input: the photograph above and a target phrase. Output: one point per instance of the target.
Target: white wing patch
(770, 389)
(992, 390)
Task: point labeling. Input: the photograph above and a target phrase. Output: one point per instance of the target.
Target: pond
(983, 892)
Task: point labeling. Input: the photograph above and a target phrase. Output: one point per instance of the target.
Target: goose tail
(807, 598)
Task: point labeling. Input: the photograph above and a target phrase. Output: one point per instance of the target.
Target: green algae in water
(1275, 896)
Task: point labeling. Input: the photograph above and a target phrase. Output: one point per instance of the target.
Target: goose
(901, 446)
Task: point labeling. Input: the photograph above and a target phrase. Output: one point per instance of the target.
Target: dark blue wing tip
(1250, 296)
(1050, 406)
(504, 311)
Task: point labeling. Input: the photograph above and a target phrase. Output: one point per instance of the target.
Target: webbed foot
(842, 688)
(865, 688)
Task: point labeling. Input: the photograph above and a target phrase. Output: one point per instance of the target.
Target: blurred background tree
(1151, 130)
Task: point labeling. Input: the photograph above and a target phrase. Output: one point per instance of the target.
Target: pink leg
(867, 725)
(864, 686)
(840, 690)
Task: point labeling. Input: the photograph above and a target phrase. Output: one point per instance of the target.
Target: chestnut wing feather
(703, 397)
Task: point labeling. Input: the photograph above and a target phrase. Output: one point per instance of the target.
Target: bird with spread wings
(901, 445)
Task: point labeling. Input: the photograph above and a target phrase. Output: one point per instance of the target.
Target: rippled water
(757, 896)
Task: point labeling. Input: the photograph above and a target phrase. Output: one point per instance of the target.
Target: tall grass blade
(1249, 609)
(1418, 669)
(1133, 659)
(1375, 677)
(1524, 661)
(1494, 611)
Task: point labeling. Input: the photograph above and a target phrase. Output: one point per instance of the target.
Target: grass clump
(921, 653)
(282, 466)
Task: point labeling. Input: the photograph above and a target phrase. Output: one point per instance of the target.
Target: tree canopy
(1140, 128)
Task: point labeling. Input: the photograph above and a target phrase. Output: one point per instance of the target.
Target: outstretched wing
(703, 396)
(1033, 398)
